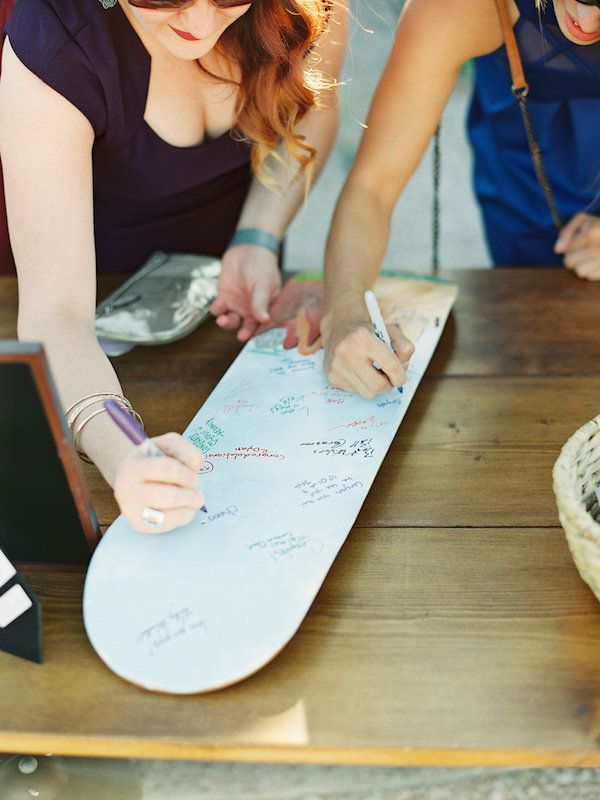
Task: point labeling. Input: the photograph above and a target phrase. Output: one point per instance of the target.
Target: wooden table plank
(8, 307)
(520, 322)
(505, 322)
(452, 629)
(470, 451)
(429, 646)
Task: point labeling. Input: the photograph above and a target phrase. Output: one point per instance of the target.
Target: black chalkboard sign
(45, 512)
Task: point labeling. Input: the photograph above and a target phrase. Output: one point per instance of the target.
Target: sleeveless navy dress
(564, 102)
(148, 195)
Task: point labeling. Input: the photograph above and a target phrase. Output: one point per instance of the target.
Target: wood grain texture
(453, 627)
(520, 322)
(431, 646)
(8, 308)
(470, 451)
(505, 322)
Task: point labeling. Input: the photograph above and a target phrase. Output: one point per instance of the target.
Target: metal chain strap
(538, 162)
(435, 216)
(538, 165)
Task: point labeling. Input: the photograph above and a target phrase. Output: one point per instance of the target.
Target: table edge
(100, 747)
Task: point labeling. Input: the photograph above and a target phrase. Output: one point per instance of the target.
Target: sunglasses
(590, 3)
(175, 4)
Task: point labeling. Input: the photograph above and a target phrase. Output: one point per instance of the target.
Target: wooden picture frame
(46, 514)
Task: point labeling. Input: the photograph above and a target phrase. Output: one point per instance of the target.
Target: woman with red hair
(128, 126)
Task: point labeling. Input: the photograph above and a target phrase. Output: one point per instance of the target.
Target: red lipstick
(577, 33)
(184, 35)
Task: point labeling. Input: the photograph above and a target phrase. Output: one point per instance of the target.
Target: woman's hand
(168, 485)
(250, 280)
(579, 240)
(351, 349)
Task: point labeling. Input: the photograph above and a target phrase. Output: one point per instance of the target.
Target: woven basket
(575, 475)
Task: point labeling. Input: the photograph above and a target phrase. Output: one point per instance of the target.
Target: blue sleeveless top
(148, 195)
(564, 103)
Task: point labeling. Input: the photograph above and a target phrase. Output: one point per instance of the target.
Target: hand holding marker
(378, 324)
(146, 447)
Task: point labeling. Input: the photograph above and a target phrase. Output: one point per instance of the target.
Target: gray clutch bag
(163, 301)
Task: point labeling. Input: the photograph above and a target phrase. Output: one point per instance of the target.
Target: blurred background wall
(372, 27)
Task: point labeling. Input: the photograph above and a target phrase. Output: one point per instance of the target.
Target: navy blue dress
(148, 194)
(564, 102)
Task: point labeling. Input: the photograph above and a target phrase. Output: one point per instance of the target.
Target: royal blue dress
(564, 102)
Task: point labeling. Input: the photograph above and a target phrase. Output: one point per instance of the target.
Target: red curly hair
(272, 46)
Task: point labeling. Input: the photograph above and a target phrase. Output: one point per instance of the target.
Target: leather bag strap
(520, 90)
(519, 84)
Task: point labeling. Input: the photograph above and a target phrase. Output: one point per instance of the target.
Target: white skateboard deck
(289, 463)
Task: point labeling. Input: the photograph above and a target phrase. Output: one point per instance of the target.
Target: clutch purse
(163, 301)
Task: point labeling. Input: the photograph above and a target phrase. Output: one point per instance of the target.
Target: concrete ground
(87, 779)
(410, 248)
(259, 782)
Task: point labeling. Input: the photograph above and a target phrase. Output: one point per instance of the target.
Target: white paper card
(7, 571)
(13, 603)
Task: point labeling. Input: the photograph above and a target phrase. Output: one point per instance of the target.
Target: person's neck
(153, 47)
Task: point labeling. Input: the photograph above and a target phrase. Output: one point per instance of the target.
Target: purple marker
(131, 428)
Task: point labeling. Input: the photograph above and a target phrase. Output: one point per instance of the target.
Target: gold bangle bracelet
(95, 398)
(97, 394)
(80, 405)
(138, 417)
(82, 455)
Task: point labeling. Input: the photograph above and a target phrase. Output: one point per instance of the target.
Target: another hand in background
(579, 240)
(352, 347)
(167, 484)
(297, 296)
(250, 280)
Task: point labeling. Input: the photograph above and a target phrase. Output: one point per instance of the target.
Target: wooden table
(453, 627)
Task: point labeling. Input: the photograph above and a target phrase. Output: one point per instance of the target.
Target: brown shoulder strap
(520, 89)
(519, 84)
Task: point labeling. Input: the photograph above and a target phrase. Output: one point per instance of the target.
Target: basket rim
(564, 479)
(570, 508)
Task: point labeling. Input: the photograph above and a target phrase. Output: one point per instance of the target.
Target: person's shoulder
(58, 40)
(73, 14)
(54, 20)
(470, 28)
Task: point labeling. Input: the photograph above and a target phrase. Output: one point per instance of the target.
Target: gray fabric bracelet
(256, 236)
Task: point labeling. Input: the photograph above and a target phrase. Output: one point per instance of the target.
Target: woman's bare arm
(45, 145)
(434, 38)
(250, 273)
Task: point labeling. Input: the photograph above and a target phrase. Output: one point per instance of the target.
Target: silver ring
(153, 516)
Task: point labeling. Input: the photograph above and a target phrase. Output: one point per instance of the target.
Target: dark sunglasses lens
(589, 3)
(159, 3)
(181, 3)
